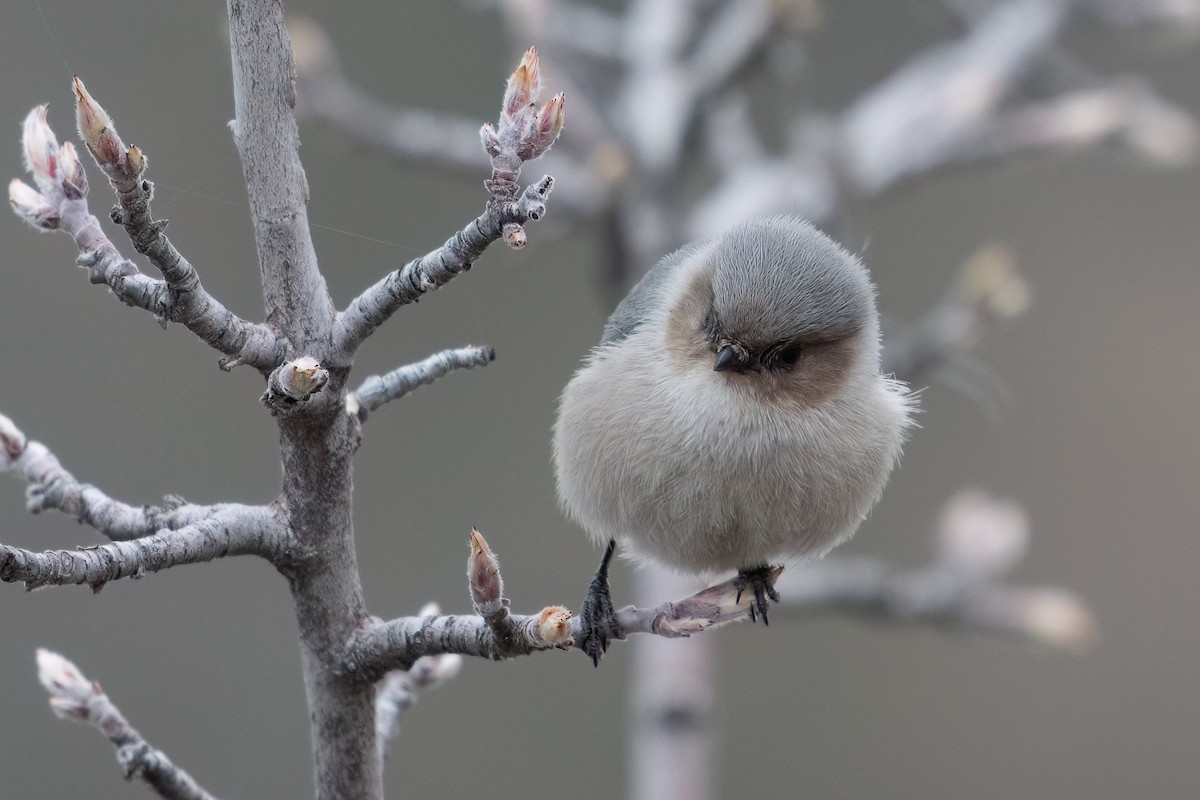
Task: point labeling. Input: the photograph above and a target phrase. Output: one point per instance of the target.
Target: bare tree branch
(938, 596)
(398, 689)
(62, 204)
(524, 133)
(980, 538)
(908, 122)
(406, 285)
(52, 487)
(326, 94)
(379, 389)
(229, 532)
(73, 696)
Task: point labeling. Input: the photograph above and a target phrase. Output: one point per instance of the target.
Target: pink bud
(70, 692)
(32, 207)
(74, 179)
(549, 125)
(40, 148)
(523, 85)
(483, 574)
(96, 128)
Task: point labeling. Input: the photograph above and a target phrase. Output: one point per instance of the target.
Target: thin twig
(73, 696)
(379, 389)
(52, 487)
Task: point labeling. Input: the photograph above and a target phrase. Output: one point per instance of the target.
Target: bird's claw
(597, 620)
(758, 580)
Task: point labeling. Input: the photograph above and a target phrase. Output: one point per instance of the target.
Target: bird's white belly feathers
(673, 466)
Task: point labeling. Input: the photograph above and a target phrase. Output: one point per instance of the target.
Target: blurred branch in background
(686, 119)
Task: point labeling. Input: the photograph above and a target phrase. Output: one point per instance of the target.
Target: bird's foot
(758, 580)
(597, 618)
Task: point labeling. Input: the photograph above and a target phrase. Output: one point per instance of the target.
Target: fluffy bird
(734, 413)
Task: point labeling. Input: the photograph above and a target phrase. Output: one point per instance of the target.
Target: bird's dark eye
(788, 356)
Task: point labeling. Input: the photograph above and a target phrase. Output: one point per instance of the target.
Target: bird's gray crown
(781, 280)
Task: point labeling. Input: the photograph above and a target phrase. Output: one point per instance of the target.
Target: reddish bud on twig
(74, 179)
(96, 128)
(523, 85)
(71, 693)
(483, 575)
(40, 149)
(30, 206)
(548, 124)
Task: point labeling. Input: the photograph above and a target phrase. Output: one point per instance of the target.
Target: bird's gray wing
(644, 296)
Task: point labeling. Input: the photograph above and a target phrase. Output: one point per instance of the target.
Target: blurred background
(1083, 410)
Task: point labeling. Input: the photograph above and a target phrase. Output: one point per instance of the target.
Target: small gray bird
(733, 413)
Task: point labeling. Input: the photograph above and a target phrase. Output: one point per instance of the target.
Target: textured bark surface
(317, 446)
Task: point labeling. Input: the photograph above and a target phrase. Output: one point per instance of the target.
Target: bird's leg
(759, 580)
(597, 618)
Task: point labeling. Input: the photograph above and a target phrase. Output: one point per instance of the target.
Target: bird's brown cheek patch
(686, 342)
(818, 374)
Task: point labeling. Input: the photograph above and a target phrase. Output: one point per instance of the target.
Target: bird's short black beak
(730, 360)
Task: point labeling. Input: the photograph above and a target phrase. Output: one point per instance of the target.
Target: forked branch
(525, 132)
(60, 203)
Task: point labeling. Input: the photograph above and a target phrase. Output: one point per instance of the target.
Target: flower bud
(40, 148)
(74, 179)
(70, 692)
(483, 575)
(548, 125)
(30, 206)
(96, 128)
(523, 85)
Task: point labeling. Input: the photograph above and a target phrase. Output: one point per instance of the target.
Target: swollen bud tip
(31, 206)
(523, 85)
(96, 128)
(40, 149)
(74, 179)
(483, 575)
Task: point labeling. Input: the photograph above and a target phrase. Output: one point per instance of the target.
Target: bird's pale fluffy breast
(682, 468)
